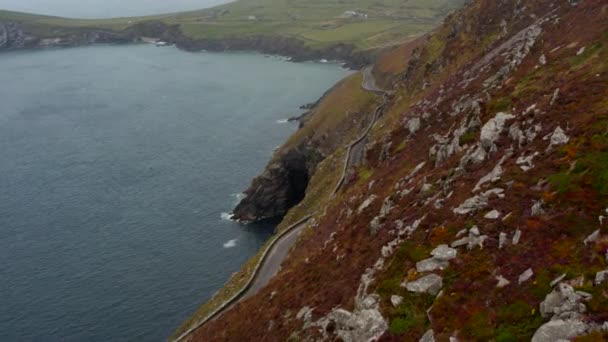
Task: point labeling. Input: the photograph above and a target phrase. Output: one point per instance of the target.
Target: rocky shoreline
(15, 36)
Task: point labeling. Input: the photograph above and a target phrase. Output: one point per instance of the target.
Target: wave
(282, 121)
(230, 244)
(226, 216)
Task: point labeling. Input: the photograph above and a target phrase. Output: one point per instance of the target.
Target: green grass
(317, 23)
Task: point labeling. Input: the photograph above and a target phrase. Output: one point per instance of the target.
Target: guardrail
(360, 139)
(242, 291)
(254, 275)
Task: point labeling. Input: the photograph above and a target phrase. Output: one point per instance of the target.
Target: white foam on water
(230, 244)
(226, 216)
(283, 121)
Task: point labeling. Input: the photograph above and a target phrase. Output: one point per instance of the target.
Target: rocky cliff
(480, 210)
(15, 35)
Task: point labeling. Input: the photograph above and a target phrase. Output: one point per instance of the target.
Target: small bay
(118, 165)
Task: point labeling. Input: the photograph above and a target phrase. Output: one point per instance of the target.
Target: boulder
(444, 252)
(601, 277)
(478, 202)
(558, 138)
(492, 215)
(502, 240)
(593, 237)
(525, 276)
(428, 336)
(396, 300)
(559, 330)
(490, 132)
(516, 237)
(562, 302)
(431, 284)
(413, 125)
(557, 280)
(502, 281)
(431, 264)
(368, 201)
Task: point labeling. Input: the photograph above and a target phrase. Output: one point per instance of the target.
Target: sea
(119, 166)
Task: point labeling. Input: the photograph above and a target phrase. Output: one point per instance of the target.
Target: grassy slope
(346, 108)
(573, 197)
(318, 23)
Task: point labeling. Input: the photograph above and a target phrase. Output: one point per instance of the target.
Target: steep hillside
(480, 210)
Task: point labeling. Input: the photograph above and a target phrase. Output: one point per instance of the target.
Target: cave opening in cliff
(298, 182)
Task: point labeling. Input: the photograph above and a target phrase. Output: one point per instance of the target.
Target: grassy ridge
(317, 23)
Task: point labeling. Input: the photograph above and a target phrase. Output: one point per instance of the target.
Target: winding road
(273, 258)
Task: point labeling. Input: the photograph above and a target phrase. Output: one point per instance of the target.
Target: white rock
(516, 237)
(491, 131)
(592, 238)
(542, 60)
(502, 240)
(581, 51)
(525, 276)
(502, 282)
(396, 300)
(493, 176)
(460, 242)
(559, 330)
(431, 264)
(554, 97)
(557, 280)
(492, 215)
(444, 252)
(478, 202)
(558, 138)
(428, 336)
(305, 314)
(431, 283)
(526, 163)
(562, 302)
(537, 208)
(413, 125)
(366, 203)
(601, 277)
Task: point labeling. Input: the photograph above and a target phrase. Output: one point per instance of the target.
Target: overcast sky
(105, 8)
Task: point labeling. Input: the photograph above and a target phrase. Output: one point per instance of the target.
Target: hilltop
(479, 208)
(301, 29)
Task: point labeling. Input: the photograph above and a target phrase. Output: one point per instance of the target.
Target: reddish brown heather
(568, 179)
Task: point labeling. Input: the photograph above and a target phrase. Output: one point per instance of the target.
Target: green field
(363, 23)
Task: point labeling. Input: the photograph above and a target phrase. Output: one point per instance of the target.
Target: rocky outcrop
(281, 186)
(13, 37)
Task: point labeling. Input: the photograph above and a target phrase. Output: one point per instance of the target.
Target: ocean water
(117, 166)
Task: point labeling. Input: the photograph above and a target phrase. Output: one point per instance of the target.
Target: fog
(105, 8)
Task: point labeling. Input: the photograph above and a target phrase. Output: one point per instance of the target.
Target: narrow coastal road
(369, 82)
(275, 258)
(272, 260)
(356, 150)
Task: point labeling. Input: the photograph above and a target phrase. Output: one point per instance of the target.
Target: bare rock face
(13, 37)
(280, 187)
